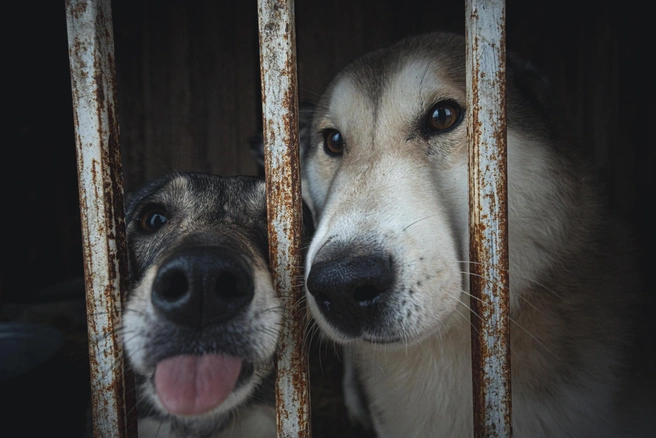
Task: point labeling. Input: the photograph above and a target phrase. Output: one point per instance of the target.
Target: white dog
(387, 273)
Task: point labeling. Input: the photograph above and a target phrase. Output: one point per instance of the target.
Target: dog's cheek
(308, 222)
(266, 315)
(442, 297)
(137, 315)
(430, 281)
(134, 342)
(315, 184)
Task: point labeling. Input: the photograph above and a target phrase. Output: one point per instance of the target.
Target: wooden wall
(189, 75)
(188, 83)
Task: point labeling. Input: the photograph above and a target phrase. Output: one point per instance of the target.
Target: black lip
(381, 340)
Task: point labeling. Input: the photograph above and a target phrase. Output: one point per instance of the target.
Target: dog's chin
(390, 337)
(401, 336)
(394, 338)
(380, 337)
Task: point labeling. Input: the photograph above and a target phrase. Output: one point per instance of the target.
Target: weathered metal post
(488, 225)
(284, 206)
(91, 57)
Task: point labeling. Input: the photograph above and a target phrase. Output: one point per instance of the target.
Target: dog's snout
(198, 287)
(350, 289)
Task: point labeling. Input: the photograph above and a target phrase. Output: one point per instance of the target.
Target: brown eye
(333, 142)
(444, 115)
(153, 219)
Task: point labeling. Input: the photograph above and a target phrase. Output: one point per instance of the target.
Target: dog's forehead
(391, 86)
(225, 196)
(199, 194)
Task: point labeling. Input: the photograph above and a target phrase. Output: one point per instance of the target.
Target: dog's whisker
(417, 221)
(159, 427)
(546, 315)
(513, 321)
(468, 320)
(471, 324)
(311, 92)
(533, 281)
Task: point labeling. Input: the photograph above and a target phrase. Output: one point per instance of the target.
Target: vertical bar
(488, 227)
(91, 58)
(284, 206)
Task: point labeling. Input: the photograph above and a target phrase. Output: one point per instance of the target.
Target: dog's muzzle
(198, 289)
(351, 290)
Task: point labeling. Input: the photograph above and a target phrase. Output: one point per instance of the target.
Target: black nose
(201, 286)
(350, 290)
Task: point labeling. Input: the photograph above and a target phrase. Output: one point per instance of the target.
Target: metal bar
(488, 226)
(91, 58)
(284, 207)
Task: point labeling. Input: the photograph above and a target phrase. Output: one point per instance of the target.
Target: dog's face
(202, 319)
(386, 174)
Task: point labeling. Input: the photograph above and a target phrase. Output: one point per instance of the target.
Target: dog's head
(386, 173)
(202, 318)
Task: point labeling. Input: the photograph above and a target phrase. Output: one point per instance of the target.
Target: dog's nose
(198, 287)
(350, 290)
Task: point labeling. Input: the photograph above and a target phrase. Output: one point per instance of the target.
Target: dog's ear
(530, 99)
(531, 83)
(308, 221)
(256, 146)
(305, 114)
(308, 230)
(129, 201)
(256, 142)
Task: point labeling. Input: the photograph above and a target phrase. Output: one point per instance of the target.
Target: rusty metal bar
(488, 226)
(284, 207)
(91, 58)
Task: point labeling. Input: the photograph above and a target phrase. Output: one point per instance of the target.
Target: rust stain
(76, 9)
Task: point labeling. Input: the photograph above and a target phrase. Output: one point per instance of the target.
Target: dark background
(189, 98)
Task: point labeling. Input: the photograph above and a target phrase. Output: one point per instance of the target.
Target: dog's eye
(444, 115)
(153, 219)
(333, 142)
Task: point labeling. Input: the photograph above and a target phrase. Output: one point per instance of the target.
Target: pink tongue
(192, 385)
